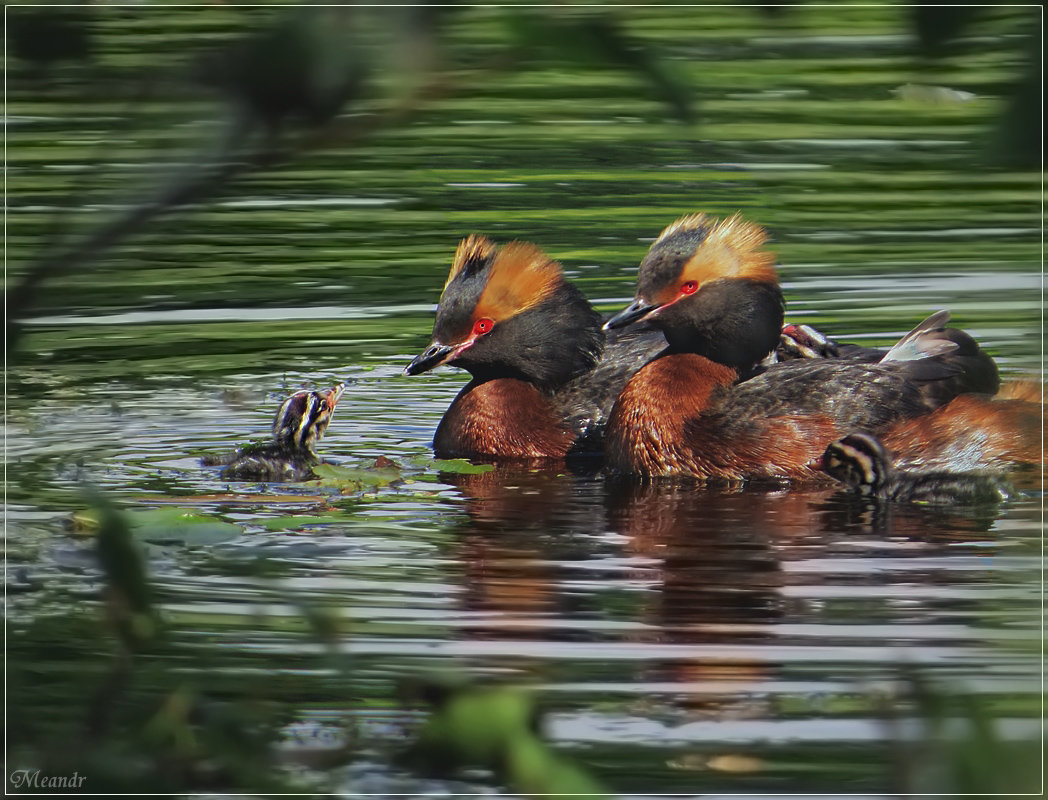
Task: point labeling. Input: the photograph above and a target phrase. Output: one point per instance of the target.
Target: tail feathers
(917, 345)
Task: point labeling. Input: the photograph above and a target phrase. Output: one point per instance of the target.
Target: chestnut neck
(502, 418)
(647, 430)
(674, 419)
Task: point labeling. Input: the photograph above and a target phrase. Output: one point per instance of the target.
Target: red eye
(688, 287)
(483, 325)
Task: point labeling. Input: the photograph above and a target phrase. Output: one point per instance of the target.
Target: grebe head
(859, 461)
(304, 417)
(508, 312)
(712, 290)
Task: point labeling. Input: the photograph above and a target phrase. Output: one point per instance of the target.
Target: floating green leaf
(356, 478)
(164, 526)
(296, 521)
(460, 466)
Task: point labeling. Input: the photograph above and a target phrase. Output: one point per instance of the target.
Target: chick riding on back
(703, 409)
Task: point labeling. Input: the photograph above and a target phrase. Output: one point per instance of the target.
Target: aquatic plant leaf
(297, 521)
(617, 46)
(356, 478)
(960, 750)
(460, 466)
(194, 534)
(164, 526)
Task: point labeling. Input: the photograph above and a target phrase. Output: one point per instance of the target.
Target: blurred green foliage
(951, 742)
(98, 692)
(495, 728)
(132, 721)
(130, 598)
(41, 37)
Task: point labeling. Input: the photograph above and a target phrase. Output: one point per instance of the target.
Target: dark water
(681, 639)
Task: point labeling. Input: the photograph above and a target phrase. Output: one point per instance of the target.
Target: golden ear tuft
(522, 276)
(472, 255)
(732, 248)
(691, 222)
(738, 233)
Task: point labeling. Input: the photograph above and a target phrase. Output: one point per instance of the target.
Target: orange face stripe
(522, 276)
(731, 250)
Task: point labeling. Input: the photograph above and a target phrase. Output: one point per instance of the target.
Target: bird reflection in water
(527, 527)
(717, 585)
(555, 556)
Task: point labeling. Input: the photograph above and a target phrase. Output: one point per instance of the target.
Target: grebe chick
(976, 370)
(299, 425)
(862, 463)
